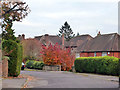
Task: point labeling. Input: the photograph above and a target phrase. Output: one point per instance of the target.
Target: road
(67, 80)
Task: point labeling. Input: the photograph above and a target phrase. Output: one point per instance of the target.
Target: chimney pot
(23, 36)
(46, 34)
(98, 33)
(19, 35)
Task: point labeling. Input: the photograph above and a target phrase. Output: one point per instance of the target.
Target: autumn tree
(67, 31)
(55, 55)
(12, 11)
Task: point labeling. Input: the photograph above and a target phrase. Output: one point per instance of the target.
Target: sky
(83, 16)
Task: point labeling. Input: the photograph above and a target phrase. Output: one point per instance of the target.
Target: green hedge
(34, 64)
(100, 65)
(15, 54)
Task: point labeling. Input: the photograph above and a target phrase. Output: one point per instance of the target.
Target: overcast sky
(84, 16)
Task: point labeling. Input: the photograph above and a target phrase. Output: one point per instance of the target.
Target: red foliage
(55, 55)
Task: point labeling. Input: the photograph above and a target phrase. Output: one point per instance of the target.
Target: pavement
(50, 79)
(13, 83)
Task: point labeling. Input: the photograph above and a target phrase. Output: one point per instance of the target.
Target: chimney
(23, 36)
(63, 40)
(98, 33)
(47, 39)
(19, 35)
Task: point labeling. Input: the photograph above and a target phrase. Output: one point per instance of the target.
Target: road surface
(52, 79)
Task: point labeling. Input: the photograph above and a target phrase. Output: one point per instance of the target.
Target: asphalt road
(67, 80)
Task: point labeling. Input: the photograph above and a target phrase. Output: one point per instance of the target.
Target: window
(95, 54)
(104, 53)
(77, 55)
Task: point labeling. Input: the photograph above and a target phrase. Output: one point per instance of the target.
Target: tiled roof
(53, 39)
(105, 42)
(79, 41)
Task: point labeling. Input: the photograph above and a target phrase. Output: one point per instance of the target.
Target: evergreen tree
(67, 31)
(8, 32)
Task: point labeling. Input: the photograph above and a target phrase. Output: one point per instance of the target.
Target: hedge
(15, 54)
(34, 64)
(100, 65)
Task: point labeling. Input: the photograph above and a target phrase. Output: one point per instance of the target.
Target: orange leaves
(54, 55)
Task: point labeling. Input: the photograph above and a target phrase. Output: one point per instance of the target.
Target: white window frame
(104, 53)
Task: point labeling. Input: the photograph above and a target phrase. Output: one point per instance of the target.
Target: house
(49, 39)
(78, 43)
(102, 45)
(85, 45)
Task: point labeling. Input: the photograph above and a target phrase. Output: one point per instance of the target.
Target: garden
(53, 55)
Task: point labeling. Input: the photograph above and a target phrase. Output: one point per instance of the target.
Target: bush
(55, 55)
(15, 55)
(101, 65)
(34, 64)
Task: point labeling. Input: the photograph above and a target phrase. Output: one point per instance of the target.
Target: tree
(12, 11)
(54, 55)
(67, 31)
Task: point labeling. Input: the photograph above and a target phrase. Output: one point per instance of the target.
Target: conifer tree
(67, 31)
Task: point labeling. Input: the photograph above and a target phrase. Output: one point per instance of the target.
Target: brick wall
(83, 54)
(0, 68)
(4, 68)
(91, 54)
(116, 54)
(98, 54)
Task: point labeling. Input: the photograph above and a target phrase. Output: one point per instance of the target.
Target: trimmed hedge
(15, 54)
(34, 64)
(100, 65)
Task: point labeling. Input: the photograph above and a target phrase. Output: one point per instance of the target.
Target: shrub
(55, 55)
(34, 64)
(101, 65)
(15, 55)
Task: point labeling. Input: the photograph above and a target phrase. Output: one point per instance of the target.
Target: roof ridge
(109, 34)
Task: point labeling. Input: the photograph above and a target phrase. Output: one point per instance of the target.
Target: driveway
(59, 79)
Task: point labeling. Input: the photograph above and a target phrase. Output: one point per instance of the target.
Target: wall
(119, 55)
(98, 54)
(5, 67)
(84, 54)
(116, 54)
(0, 68)
(52, 68)
(91, 54)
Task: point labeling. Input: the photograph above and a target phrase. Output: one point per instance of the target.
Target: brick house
(85, 45)
(102, 45)
(49, 39)
(78, 43)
